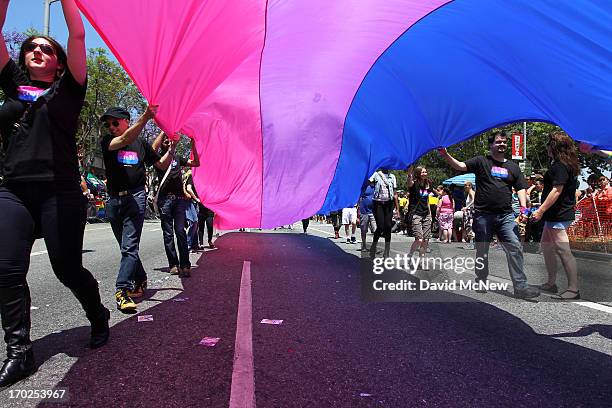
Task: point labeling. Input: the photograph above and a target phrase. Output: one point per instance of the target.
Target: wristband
(525, 211)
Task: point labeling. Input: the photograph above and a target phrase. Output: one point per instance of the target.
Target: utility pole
(47, 15)
(525, 141)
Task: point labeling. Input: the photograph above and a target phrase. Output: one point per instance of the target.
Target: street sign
(517, 146)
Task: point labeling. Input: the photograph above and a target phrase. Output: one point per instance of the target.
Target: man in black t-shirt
(495, 177)
(125, 155)
(172, 205)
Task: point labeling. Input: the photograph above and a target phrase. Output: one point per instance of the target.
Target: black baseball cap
(116, 112)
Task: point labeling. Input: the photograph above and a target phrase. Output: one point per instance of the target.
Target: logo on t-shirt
(424, 193)
(500, 172)
(30, 93)
(127, 158)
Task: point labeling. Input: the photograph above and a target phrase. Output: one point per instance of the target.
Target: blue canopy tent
(461, 179)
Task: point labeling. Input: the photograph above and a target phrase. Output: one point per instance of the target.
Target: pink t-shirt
(447, 205)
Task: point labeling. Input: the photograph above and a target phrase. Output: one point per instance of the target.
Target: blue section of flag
(473, 65)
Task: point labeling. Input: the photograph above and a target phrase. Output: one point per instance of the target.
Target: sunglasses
(114, 123)
(44, 48)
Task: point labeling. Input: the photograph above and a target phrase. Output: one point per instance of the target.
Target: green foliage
(108, 85)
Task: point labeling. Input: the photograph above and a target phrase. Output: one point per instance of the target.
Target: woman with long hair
(444, 214)
(40, 196)
(557, 212)
(419, 190)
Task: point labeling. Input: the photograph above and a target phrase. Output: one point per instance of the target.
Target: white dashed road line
(242, 393)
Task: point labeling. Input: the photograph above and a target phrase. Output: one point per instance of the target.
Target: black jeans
(56, 213)
(205, 219)
(172, 214)
(383, 214)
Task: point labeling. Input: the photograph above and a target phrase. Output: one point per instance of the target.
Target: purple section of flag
(316, 55)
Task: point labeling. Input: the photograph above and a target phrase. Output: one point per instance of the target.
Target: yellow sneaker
(125, 303)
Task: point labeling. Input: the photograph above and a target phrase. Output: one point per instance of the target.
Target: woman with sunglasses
(40, 196)
(557, 212)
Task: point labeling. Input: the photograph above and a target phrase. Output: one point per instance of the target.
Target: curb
(597, 256)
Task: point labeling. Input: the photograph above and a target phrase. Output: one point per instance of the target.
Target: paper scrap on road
(145, 318)
(209, 341)
(269, 321)
(180, 299)
(365, 394)
(33, 307)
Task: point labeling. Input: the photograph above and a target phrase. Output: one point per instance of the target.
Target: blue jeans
(504, 225)
(172, 211)
(192, 221)
(126, 216)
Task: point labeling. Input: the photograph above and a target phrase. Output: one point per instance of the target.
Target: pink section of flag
(199, 61)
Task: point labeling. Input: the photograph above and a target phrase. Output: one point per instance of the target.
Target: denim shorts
(557, 224)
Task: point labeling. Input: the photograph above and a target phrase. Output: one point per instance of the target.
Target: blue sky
(23, 14)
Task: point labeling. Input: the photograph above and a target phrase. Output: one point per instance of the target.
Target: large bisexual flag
(294, 103)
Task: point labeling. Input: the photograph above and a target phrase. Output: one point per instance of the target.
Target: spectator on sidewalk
(305, 223)
(349, 219)
(445, 214)
(495, 177)
(557, 212)
(605, 190)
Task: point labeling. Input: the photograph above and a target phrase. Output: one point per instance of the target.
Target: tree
(107, 85)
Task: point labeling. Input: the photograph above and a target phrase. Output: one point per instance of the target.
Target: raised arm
(410, 176)
(167, 158)
(77, 55)
(4, 55)
(133, 131)
(158, 141)
(454, 163)
(194, 161)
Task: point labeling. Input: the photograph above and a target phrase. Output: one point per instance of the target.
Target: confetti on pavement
(145, 318)
(269, 321)
(209, 341)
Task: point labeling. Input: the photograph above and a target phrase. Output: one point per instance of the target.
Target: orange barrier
(592, 229)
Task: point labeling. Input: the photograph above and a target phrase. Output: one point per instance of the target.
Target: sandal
(547, 287)
(561, 297)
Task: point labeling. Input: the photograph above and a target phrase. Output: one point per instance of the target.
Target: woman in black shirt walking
(40, 196)
(557, 212)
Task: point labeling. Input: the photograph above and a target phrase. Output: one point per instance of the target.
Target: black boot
(387, 249)
(15, 312)
(89, 297)
(373, 248)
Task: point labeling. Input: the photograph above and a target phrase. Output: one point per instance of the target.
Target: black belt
(125, 192)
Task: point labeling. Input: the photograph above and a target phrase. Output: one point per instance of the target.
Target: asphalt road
(333, 349)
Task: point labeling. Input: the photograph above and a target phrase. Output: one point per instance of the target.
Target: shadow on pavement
(332, 350)
(604, 330)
